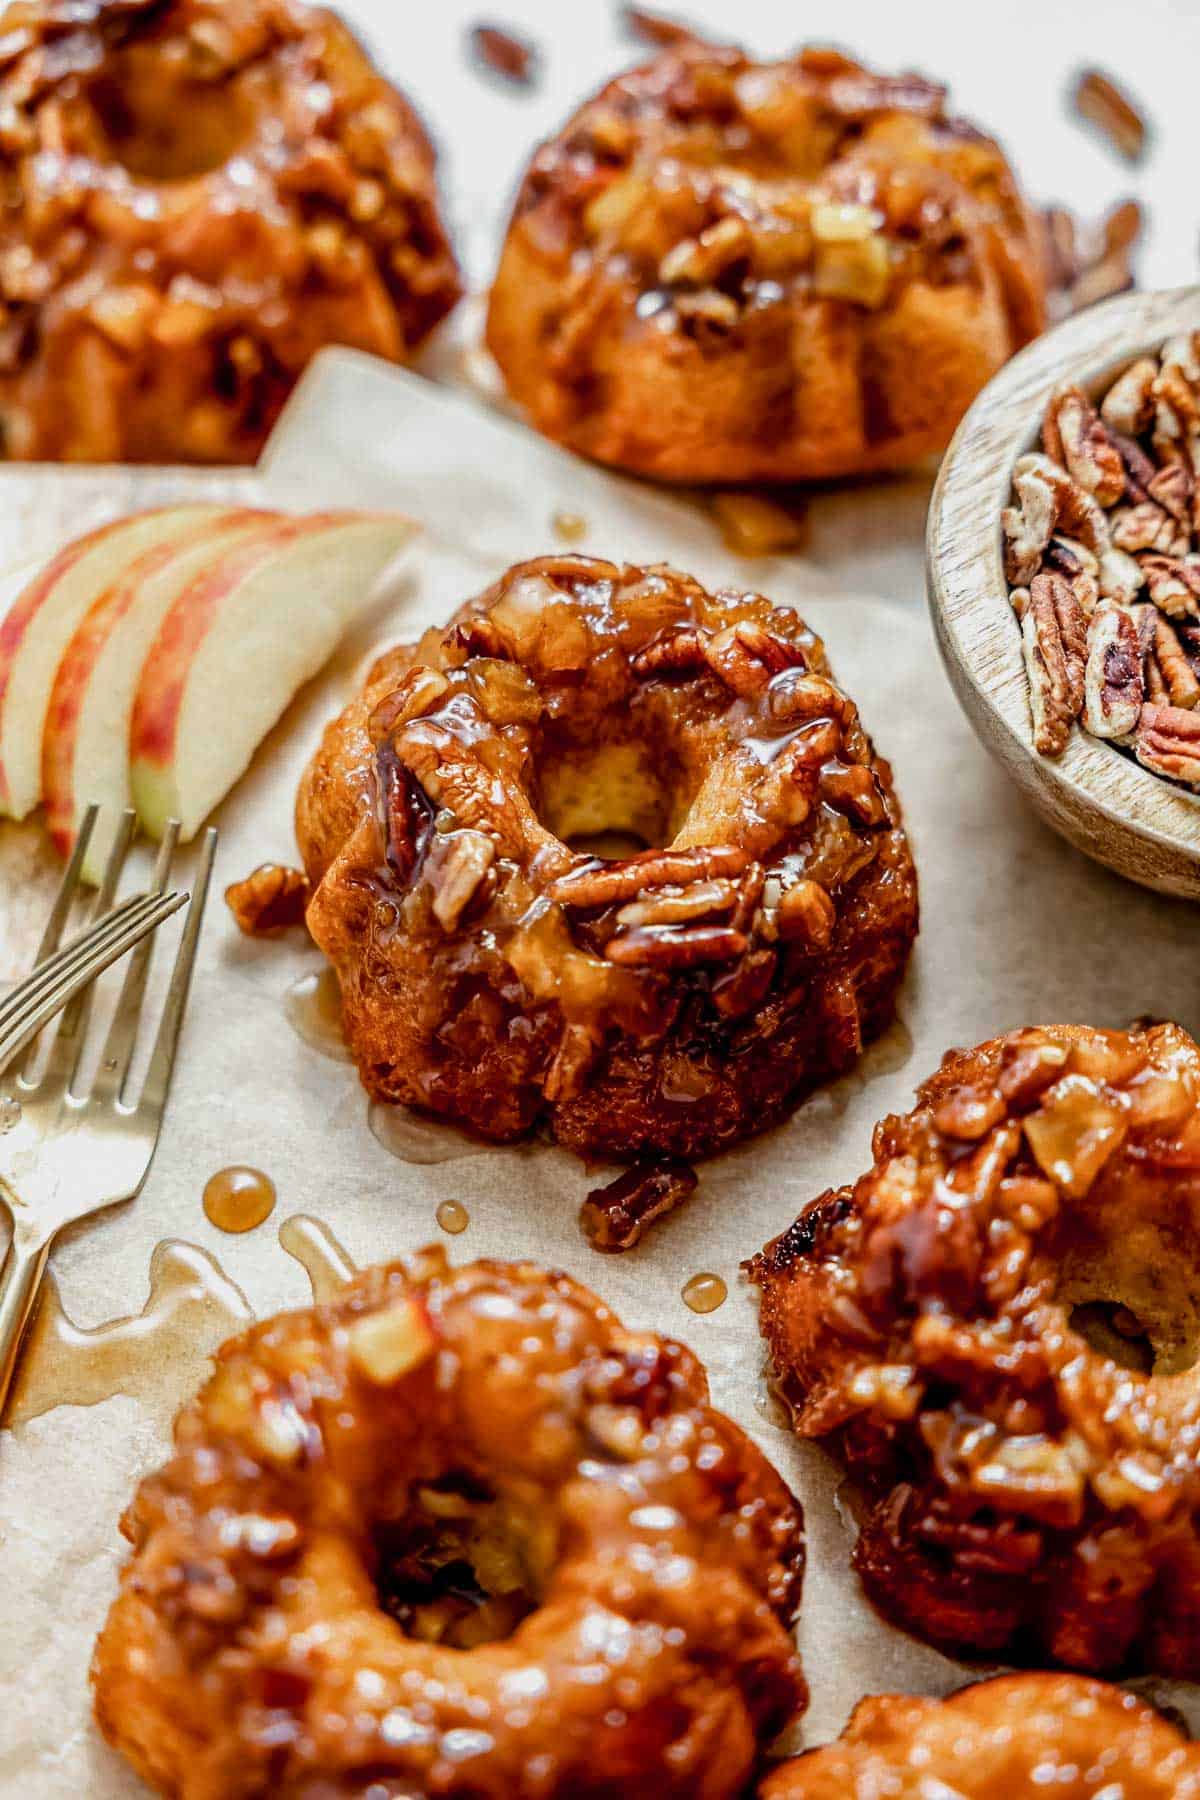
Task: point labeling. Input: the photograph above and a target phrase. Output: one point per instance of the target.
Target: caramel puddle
(158, 1356)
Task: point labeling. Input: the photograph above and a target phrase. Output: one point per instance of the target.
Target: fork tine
(52, 936)
(49, 973)
(71, 1038)
(158, 1076)
(122, 1032)
(79, 964)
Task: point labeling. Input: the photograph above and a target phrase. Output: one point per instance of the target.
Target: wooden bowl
(1098, 798)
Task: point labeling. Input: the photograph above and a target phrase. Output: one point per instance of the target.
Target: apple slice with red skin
(40, 623)
(85, 738)
(235, 647)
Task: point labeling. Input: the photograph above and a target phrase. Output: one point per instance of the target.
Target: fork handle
(20, 1281)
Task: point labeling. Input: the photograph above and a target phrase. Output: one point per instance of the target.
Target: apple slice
(40, 623)
(85, 737)
(234, 648)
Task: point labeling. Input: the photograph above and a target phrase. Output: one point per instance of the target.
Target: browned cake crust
(458, 1534)
(1019, 1737)
(723, 270)
(670, 1002)
(198, 195)
(1032, 1465)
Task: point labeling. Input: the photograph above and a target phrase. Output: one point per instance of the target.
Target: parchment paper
(1016, 928)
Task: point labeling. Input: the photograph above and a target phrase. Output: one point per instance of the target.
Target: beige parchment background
(1016, 928)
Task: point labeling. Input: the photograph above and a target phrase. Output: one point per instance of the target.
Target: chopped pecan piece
(806, 914)
(1074, 435)
(754, 526)
(616, 1216)
(1054, 638)
(269, 900)
(1168, 742)
(572, 1060)
(1113, 681)
(1099, 100)
(501, 52)
(1076, 564)
(609, 884)
(740, 989)
(457, 862)
(655, 27)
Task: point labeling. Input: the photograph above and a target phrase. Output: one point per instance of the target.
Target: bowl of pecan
(1063, 559)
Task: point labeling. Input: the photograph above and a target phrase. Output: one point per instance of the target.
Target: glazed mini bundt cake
(667, 1002)
(198, 195)
(456, 1533)
(1018, 1737)
(998, 1327)
(727, 270)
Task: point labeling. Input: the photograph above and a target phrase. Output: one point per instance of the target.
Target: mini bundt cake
(998, 1326)
(667, 1002)
(198, 195)
(727, 270)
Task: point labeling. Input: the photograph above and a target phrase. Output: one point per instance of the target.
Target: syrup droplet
(704, 1293)
(415, 1139)
(452, 1216)
(314, 1009)
(319, 1254)
(239, 1198)
(571, 527)
(159, 1356)
(10, 1113)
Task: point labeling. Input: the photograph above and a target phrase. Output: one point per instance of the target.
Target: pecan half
(1113, 681)
(609, 884)
(1128, 405)
(1148, 526)
(675, 946)
(616, 1216)
(1074, 435)
(1173, 584)
(1168, 742)
(679, 906)
(1178, 677)
(269, 900)
(1029, 525)
(1054, 641)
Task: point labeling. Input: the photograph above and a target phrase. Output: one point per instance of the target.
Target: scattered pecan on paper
(498, 51)
(1102, 555)
(1097, 98)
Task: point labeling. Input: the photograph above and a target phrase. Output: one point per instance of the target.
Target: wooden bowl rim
(977, 631)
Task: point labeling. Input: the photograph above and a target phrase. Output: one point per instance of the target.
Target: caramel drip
(414, 1139)
(158, 1356)
(319, 1254)
(313, 1006)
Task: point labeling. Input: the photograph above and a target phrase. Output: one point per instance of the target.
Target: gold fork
(69, 1153)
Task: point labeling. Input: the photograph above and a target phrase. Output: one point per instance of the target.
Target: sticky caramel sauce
(452, 1216)
(158, 1357)
(413, 1138)
(239, 1198)
(313, 1006)
(319, 1254)
(704, 1293)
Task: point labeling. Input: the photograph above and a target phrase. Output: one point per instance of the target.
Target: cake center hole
(454, 1569)
(1115, 1332)
(166, 129)
(610, 800)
